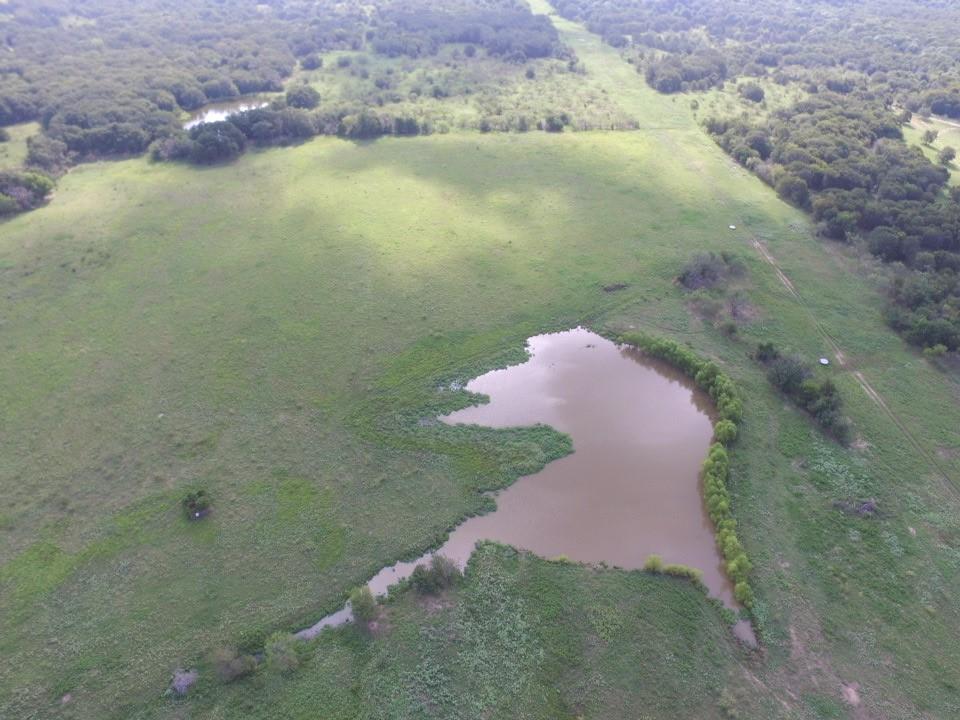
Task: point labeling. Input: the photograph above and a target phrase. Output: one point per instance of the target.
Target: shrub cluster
(231, 665)
(363, 604)
(655, 564)
(196, 505)
(441, 574)
(22, 191)
(795, 379)
(716, 468)
(708, 269)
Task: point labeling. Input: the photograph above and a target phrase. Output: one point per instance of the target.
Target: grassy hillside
(273, 330)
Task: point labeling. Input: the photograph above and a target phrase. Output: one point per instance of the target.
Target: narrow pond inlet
(630, 489)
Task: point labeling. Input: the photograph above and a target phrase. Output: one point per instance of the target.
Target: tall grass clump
(716, 468)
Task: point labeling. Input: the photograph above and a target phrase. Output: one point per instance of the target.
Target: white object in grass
(824, 361)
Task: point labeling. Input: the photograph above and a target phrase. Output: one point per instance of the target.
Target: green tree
(281, 652)
(947, 156)
(363, 604)
(303, 97)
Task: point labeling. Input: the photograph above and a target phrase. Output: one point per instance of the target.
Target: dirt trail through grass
(841, 357)
(608, 70)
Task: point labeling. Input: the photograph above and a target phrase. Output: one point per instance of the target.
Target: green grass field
(449, 93)
(948, 135)
(14, 151)
(274, 329)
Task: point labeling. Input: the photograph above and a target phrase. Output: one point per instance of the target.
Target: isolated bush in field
(196, 504)
(930, 137)
(706, 270)
(654, 564)
(766, 353)
(947, 155)
(725, 432)
(788, 374)
(363, 604)
(4, 135)
(281, 652)
(231, 665)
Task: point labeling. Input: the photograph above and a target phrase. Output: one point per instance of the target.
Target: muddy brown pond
(630, 489)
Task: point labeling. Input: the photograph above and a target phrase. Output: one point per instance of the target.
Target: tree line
(840, 152)
(108, 78)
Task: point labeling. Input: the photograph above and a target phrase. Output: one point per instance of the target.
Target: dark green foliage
(216, 142)
(504, 29)
(788, 373)
(440, 575)
(840, 153)
(766, 353)
(947, 155)
(108, 79)
(231, 665)
(196, 505)
(709, 269)
(4, 135)
(751, 91)
(21, 191)
(363, 604)
(795, 379)
(841, 160)
(311, 62)
(282, 652)
(681, 73)
(303, 97)
(794, 190)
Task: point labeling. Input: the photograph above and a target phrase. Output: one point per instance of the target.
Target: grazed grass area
(273, 330)
(727, 102)
(948, 135)
(448, 92)
(522, 637)
(14, 151)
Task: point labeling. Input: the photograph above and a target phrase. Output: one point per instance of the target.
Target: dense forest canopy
(108, 77)
(839, 153)
(904, 51)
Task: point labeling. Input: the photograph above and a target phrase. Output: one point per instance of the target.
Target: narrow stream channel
(630, 489)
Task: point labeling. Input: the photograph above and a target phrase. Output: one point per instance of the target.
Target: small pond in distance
(215, 112)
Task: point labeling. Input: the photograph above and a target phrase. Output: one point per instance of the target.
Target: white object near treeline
(824, 361)
(733, 227)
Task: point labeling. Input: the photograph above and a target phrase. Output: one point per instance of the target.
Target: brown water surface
(630, 489)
